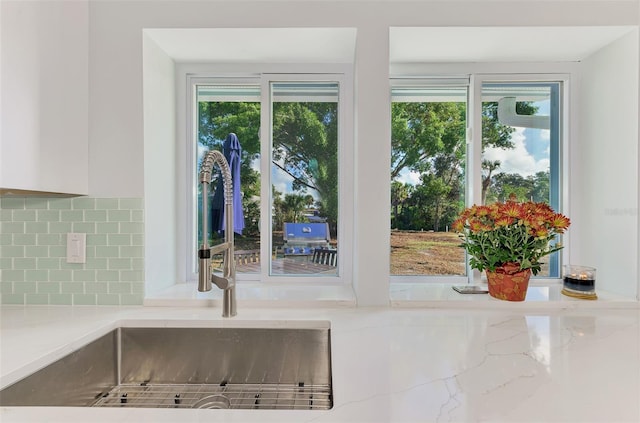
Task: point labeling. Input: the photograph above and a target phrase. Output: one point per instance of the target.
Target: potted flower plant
(507, 241)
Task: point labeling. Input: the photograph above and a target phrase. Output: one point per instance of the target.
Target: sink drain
(213, 401)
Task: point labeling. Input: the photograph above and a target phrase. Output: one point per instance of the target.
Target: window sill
(402, 295)
(539, 296)
(258, 295)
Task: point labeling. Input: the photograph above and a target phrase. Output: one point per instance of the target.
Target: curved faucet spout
(205, 275)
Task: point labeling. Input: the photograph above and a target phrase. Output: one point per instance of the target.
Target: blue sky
(531, 152)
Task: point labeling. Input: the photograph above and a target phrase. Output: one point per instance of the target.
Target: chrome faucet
(226, 282)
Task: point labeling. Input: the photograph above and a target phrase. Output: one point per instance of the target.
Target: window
(304, 177)
(521, 146)
(438, 166)
(222, 107)
(291, 133)
(428, 157)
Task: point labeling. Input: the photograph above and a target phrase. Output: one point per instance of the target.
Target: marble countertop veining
(389, 365)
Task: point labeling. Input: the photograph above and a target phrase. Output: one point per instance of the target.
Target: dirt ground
(426, 253)
(412, 253)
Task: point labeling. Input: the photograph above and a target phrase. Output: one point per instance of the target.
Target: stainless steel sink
(247, 368)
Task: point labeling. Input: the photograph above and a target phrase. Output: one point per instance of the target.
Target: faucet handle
(221, 281)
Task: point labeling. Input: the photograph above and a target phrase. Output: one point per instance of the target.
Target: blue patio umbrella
(232, 152)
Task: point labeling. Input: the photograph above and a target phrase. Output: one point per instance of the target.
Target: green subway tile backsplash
(84, 203)
(60, 204)
(36, 251)
(60, 299)
(13, 203)
(40, 299)
(84, 299)
(106, 203)
(33, 267)
(24, 215)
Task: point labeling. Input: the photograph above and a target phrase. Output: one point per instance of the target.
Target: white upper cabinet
(44, 97)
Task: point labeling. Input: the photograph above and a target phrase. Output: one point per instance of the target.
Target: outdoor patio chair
(324, 256)
(246, 256)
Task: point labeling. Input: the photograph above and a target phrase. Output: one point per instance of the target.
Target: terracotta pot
(508, 282)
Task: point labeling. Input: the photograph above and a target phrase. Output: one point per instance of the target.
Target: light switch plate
(76, 248)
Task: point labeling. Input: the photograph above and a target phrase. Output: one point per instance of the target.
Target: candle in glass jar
(580, 278)
(579, 283)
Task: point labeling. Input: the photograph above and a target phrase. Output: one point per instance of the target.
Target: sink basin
(246, 368)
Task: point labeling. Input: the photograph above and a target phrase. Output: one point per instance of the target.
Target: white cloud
(518, 159)
(545, 135)
(281, 181)
(408, 177)
(201, 151)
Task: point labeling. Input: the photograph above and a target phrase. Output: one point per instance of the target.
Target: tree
(488, 166)
(530, 188)
(305, 138)
(429, 138)
(497, 135)
(399, 194)
(278, 207)
(422, 130)
(293, 207)
(541, 191)
(217, 120)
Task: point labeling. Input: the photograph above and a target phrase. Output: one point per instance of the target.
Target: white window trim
(457, 80)
(345, 179)
(474, 139)
(565, 122)
(186, 76)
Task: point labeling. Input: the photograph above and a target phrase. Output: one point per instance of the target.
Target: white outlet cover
(76, 248)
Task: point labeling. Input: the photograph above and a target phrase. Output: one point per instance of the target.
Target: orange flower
(510, 232)
(482, 211)
(504, 221)
(529, 222)
(511, 210)
(559, 221)
(541, 232)
(458, 225)
(542, 208)
(476, 225)
(494, 211)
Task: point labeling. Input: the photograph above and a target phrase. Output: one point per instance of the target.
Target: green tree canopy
(429, 138)
(305, 146)
(305, 138)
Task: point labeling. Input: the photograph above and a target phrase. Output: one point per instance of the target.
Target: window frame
(435, 82)
(187, 80)
(563, 147)
(474, 152)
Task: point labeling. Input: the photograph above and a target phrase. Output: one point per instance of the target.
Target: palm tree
(489, 166)
(294, 205)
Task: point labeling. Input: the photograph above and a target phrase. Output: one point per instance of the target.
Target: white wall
(159, 168)
(604, 163)
(116, 121)
(115, 66)
(128, 152)
(43, 137)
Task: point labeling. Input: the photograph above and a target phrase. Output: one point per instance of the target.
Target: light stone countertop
(389, 365)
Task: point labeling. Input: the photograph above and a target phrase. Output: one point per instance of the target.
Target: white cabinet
(44, 96)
